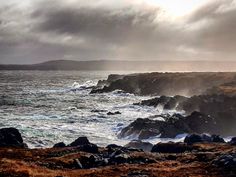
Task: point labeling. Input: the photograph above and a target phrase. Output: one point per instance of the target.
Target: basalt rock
(171, 148)
(168, 84)
(226, 162)
(113, 113)
(146, 128)
(221, 107)
(83, 144)
(59, 145)
(80, 141)
(11, 137)
(145, 146)
(203, 138)
(165, 101)
(233, 141)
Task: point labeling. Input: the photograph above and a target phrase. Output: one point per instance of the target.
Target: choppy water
(53, 106)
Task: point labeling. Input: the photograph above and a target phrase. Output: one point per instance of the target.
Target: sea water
(56, 106)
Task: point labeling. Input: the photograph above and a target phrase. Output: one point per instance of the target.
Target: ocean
(56, 106)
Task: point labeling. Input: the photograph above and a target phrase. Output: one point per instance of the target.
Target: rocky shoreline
(208, 101)
(198, 155)
(208, 105)
(169, 84)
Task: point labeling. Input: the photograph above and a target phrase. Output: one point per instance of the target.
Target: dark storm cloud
(56, 29)
(216, 33)
(127, 32)
(98, 24)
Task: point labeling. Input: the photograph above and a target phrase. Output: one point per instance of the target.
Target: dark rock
(145, 146)
(171, 147)
(83, 144)
(145, 134)
(154, 101)
(201, 123)
(113, 146)
(11, 137)
(165, 101)
(77, 164)
(80, 141)
(217, 139)
(193, 138)
(113, 113)
(90, 148)
(141, 125)
(119, 158)
(97, 110)
(233, 141)
(196, 138)
(227, 162)
(166, 83)
(173, 126)
(59, 145)
(221, 107)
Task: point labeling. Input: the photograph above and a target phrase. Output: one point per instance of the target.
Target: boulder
(137, 144)
(171, 148)
(193, 138)
(233, 141)
(217, 139)
(142, 129)
(59, 145)
(83, 144)
(90, 148)
(113, 113)
(11, 137)
(80, 141)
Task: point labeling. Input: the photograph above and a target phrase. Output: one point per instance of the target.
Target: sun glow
(177, 8)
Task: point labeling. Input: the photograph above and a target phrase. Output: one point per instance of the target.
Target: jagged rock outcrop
(221, 107)
(146, 128)
(165, 101)
(168, 84)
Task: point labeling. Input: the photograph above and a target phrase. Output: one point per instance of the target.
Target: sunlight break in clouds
(34, 31)
(178, 8)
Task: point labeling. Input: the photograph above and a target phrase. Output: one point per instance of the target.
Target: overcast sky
(33, 31)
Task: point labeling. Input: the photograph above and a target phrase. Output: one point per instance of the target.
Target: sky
(34, 31)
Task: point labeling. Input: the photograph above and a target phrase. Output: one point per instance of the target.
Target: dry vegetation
(59, 162)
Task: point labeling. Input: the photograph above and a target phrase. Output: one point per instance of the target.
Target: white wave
(85, 85)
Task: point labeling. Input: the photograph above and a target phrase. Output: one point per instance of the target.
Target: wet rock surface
(221, 108)
(11, 137)
(145, 146)
(173, 126)
(168, 84)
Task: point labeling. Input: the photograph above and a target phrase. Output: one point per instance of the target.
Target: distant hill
(127, 65)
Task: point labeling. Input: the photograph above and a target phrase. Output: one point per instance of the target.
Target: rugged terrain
(207, 103)
(200, 155)
(170, 84)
